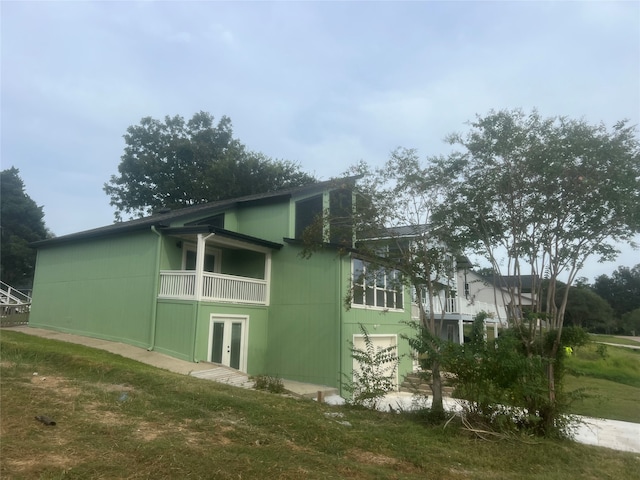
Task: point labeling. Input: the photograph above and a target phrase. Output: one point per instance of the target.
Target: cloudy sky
(324, 84)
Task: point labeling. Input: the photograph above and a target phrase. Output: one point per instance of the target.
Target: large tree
(539, 196)
(175, 164)
(621, 290)
(22, 222)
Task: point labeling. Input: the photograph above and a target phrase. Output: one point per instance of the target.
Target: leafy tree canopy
(587, 309)
(22, 223)
(175, 164)
(621, 290)
(546, 193)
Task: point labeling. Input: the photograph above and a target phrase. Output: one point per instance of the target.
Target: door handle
(228, 349)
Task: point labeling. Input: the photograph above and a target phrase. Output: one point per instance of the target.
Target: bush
(505, 381)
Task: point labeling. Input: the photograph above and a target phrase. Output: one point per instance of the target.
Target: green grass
(117, 418)
(609, 376)
(618, 364)
(604, 399)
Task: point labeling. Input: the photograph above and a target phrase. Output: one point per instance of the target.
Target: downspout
(340, 323)
(154, 305)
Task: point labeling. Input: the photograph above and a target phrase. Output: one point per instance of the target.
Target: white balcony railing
(459, 305)
(181, 284)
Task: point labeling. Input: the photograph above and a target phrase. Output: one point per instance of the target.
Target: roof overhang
(222, 233)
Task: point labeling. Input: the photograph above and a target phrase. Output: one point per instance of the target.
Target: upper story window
(376, 286)
(341, 214)
(337, 227)
(307, 212)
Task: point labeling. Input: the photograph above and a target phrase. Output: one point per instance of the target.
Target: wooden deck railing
(216, 287)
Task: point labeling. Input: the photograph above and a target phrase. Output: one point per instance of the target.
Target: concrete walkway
(600, 432)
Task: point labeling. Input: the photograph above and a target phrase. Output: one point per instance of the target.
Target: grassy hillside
(610, 378)
(117, 418)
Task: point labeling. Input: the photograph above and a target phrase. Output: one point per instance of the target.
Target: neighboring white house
(471, 295)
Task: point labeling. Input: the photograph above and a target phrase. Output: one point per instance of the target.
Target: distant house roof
(163, 218)
(512, 281)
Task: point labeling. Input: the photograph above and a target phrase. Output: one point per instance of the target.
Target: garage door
(379, 342)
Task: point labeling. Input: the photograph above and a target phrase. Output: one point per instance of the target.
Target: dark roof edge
(163, 218)
(94, 233)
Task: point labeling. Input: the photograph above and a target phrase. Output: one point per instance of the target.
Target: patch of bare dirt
(372, 458)
(59, 385)
(29, 467)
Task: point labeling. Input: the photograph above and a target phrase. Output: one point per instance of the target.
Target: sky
(323, 84)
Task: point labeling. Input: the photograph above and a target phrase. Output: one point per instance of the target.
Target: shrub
(506, 385)
(375, 376)
(269, 384)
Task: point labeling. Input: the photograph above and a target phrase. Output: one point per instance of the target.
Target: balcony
(215, 287)
(463, 308)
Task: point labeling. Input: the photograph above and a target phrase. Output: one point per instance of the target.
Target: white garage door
(379, 342)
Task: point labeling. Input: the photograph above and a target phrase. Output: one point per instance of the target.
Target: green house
(224, 283)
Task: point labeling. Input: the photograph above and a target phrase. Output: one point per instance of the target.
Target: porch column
(267, 275)
(460, 330)
(200, 250)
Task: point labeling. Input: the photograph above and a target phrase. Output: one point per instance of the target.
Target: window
(210, 263)
(376, 286)
(307, 211)
(341, 211)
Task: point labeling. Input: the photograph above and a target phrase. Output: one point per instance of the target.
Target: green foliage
(631, 322)
(505, 385)
(175, 164)
(22, 223)
(602, 350)
(269, 384)
(585, 308)
(376, 373)
(551, 191)
(621, 290)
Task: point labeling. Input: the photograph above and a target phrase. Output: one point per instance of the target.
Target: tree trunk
(436, 387)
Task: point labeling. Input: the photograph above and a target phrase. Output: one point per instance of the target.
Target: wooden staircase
(413, 383)
(14, 306)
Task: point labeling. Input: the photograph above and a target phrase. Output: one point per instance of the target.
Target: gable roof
(163, 218)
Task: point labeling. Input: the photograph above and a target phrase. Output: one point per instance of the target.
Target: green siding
(269, 222)
(102, 288)
(174, 328)
(304, 317)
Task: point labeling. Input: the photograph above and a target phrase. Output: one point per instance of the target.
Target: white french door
(228, 341)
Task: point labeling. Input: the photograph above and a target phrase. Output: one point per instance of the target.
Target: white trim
(244, 345)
